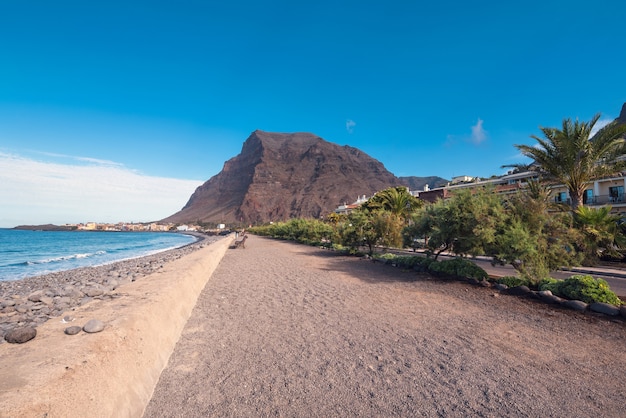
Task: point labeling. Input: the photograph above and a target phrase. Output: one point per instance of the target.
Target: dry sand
(288, 330)
(111, 373)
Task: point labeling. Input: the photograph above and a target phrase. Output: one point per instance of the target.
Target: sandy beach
(111, 373)
(284, 329)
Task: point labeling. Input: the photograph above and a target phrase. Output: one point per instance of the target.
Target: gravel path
(288, 330)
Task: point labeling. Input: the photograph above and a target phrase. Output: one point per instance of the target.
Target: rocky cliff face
(418, 183)
(280, 176)
(622, 116)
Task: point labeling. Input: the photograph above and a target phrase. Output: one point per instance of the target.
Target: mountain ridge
(278, 176)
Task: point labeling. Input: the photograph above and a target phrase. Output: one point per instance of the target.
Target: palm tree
(571, 157)
(396, 200)
(602, 234)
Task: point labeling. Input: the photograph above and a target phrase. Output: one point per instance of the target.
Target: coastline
(20, 300)
(325, 319)
(61, 375)
(34, 263)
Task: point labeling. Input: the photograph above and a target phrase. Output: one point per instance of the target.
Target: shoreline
(112, 372)
(199, 237)
(32, 301)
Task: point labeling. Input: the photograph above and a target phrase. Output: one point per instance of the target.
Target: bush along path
(579, 292)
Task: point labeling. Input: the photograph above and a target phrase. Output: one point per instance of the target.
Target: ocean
(33, 253)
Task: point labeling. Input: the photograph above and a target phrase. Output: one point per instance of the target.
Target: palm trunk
(577, 199)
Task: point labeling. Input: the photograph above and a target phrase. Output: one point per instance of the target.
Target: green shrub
(549, 284)
(408, 261)
(355, 251)
(422, 264)
(513, 281)
(583, 287)
(459, 267)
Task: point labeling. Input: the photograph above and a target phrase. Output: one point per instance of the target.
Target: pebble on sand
(93, 325)
(20, 335)
(73, 330)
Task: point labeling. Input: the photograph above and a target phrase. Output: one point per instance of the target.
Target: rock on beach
(73, 330)
(93, 326)
(32, 301)
(20, 335)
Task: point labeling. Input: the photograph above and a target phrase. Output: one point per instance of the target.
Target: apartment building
(601, 192)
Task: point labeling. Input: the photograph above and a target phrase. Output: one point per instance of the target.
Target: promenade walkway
(288, 330)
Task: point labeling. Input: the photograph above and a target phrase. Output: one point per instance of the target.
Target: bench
(241, 243)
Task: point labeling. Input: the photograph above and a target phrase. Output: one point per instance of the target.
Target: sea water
(33, 253)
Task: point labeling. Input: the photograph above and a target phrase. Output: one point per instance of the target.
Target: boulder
(518, 291)
(36, 296)
(46, 299)
(93, 326)
(20, 335)
(94, 291)
(604, 308)
(548, 297)
(577, 305)
(7, 302)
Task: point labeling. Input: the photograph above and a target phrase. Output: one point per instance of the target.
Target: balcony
(606, 200)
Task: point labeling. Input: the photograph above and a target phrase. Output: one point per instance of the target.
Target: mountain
(418, 183)
(622, 116)
(278, 176)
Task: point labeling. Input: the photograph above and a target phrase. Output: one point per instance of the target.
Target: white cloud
(350, 124)
(479, 135)
(36, 192)
(82, 159)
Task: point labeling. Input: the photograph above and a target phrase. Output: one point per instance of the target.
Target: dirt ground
(288, 330)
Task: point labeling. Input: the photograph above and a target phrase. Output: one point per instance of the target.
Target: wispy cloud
(479, 135)
(350, 124)
(35, 192)
(88, 160)
(451, 141)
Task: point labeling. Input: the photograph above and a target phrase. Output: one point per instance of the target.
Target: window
(616, 193)
(588, 197)
(561, 197)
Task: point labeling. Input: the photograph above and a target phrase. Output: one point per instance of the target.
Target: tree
(432, 223)
(569, 156)
(602, 235)
(532, 239)
(464, 224)
(359, 230)
(396, 200)
(388, 229)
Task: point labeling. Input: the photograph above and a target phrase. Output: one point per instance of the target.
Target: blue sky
(160, 94)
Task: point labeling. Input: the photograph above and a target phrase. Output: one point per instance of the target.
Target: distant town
(127, 227)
